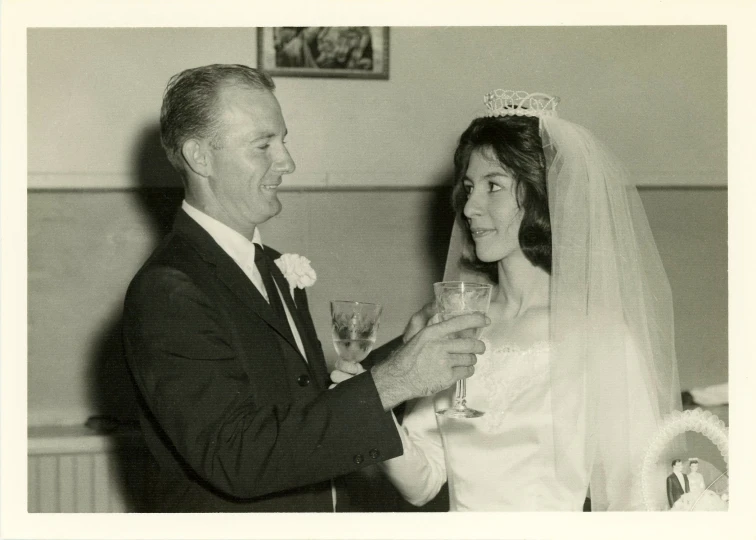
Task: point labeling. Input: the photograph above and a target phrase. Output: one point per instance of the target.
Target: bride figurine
(695, 478)
(580, 362)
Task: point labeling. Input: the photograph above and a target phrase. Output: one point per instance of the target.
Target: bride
(695, 478)
(580, 364)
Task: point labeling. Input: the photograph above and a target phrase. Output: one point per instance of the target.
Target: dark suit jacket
(674, 489)
(233, 416)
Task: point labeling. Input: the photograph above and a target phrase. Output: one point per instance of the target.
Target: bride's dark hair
(515, 142)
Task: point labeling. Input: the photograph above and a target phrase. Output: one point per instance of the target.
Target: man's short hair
(190, 99)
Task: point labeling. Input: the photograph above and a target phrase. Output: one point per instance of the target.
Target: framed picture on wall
(357, 52)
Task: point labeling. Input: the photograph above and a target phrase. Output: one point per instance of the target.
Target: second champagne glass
(354, 328)
(454, 298)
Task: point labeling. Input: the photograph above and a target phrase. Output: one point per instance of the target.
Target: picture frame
(352, 52)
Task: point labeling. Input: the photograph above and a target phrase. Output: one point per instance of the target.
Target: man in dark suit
(235, 405)
(677, 483)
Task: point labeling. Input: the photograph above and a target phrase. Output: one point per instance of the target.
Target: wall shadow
(440, 218)
(159, 195)
(160, 190)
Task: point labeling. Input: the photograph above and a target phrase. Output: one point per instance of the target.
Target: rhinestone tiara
(518, 103)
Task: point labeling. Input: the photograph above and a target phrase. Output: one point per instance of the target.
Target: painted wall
(656, 95)
(360, 205)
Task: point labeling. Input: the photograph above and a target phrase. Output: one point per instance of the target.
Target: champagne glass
(454, 298)
(354, 328)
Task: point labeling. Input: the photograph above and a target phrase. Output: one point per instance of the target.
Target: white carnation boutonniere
(297, 270)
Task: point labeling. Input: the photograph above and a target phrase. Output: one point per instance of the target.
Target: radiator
(72, 469)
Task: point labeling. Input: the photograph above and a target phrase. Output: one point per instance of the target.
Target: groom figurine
(235, 407)
(677, 483)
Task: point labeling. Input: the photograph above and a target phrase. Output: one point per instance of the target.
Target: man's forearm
(391, 385)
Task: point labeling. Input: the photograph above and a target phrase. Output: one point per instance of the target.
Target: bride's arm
(420, 471)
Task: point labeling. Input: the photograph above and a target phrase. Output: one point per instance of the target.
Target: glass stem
(459, 398)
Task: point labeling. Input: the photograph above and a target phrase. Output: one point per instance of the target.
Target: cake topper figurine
(677, 482)
(695, 478)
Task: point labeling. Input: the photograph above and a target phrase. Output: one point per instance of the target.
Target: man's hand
(344, 369)
(434, 359)
(419, 320)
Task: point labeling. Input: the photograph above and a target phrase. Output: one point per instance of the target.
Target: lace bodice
(504, 374)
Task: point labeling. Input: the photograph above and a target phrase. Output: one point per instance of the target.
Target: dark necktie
(263, 262)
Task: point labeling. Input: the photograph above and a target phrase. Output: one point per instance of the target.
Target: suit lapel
(231, 275)
(684, 487)
(236, 280)
(317, 358)
(306, 333)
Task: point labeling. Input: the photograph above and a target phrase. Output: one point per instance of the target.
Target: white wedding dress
(503, 460)
(696, 482)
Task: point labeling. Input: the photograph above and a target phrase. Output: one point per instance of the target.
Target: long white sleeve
(420, 472)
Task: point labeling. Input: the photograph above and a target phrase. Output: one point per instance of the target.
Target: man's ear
(196, 155)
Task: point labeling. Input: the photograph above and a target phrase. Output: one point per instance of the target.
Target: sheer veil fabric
(613, 371)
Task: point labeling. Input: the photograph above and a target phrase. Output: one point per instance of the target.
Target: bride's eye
(492, 188)
(468, 189)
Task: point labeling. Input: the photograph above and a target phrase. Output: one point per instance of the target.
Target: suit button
(303, 380)
(358, 459)
(374, 453)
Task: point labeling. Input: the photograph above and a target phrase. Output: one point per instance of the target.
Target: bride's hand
(419, 320)
(344, 370)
